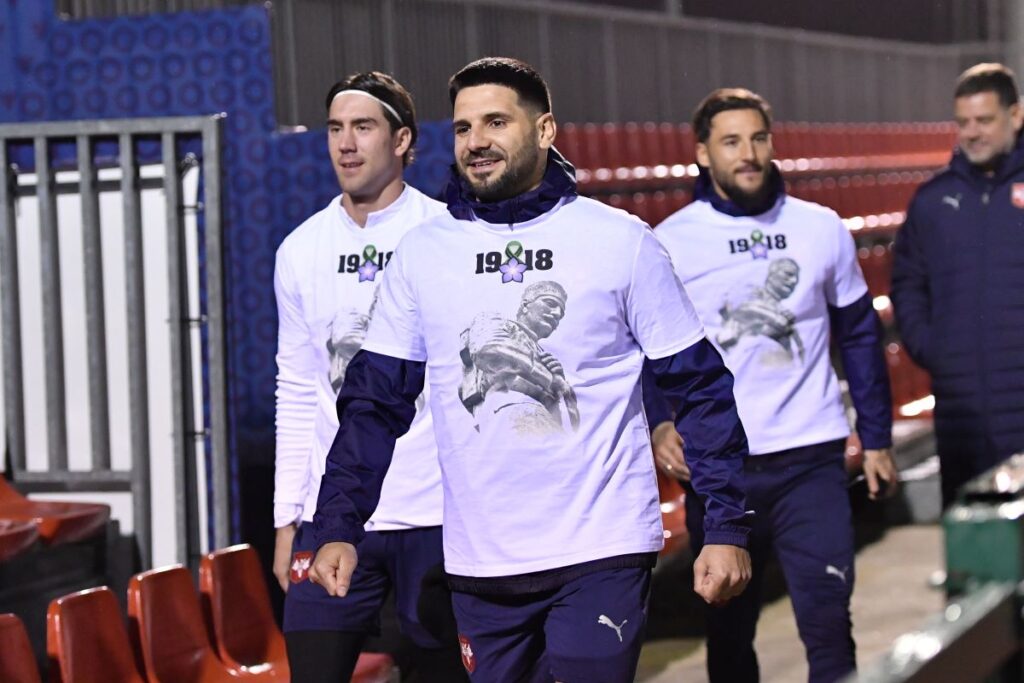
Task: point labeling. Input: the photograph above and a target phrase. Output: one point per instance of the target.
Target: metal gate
(89, 149)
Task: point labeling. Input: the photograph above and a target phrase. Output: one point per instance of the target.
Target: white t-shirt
(762, 285)
(534, 336)
(326, 277)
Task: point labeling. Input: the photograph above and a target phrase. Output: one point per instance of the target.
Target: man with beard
(549, 537)
(325, 279)
(958, 281)
(741, 236)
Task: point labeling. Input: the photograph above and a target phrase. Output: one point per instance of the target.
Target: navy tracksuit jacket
(958, 293)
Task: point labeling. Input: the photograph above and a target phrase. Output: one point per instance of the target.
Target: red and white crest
(301, 562)
(468, 659)
(1017, 195)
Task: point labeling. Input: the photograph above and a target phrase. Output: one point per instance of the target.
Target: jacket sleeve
(295, 410)
(911, 296)
(376, 405)
(697, 383)
(655, 404)
(857, 332)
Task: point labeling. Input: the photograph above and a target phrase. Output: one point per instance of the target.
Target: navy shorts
(590, 629)
(387, 560)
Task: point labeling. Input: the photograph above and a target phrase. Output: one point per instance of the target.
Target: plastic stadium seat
(590, 146)
(673, 514)
(57, 522)
(247, 638)
(235, 594)
(567, 140)
(16, 537)
(164, 609)
(17, 663)
(86, 640)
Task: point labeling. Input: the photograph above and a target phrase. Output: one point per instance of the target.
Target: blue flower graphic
(512, 271)
(368, 271)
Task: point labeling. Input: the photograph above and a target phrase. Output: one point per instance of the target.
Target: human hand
(878, 467)
(669, 453)
(283, 555)
(721, 572)
(333, 566)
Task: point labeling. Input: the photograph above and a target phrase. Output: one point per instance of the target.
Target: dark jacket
(958, 292)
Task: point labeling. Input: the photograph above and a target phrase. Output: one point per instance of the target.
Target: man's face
(365, 154)
(986, 129)
(542, 315)
(782, 279)
(738, 154)
(500, 145)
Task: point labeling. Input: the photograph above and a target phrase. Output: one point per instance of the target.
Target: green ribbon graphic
(756, 236)
(369, 253)
(514, 250)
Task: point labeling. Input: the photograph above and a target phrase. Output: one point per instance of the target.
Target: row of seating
(630, 145)
(867, 201)
(24, 521)
(171, 628)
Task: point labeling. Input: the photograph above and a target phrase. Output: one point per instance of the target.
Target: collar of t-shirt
(375, 218)
(558, 184)
(704, 190)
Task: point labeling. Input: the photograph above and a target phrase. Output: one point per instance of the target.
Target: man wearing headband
(325, 280)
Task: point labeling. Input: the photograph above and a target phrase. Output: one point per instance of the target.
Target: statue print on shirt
(510, 383)
(763, 315)
(345, 336)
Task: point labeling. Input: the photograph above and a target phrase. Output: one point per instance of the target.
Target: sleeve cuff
(736, 537)
(286, 513)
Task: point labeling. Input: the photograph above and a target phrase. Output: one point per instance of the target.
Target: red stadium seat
(86, 640)
(673, 514)
(57, 522)
(568, 143)
(17, 663)
(172, 637)
(235, 594)
(590, 146)
(16, 537)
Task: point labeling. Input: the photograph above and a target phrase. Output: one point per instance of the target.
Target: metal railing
(102, 476)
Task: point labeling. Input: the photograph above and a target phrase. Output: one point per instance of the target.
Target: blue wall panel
(191, 64)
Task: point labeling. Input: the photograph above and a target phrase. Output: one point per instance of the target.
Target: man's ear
(703, 158)
(403, 140)
(546, 130)
(1016, 116)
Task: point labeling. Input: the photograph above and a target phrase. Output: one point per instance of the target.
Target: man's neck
(359, 208)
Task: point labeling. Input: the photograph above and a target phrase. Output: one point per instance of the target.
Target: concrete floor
(891, 597)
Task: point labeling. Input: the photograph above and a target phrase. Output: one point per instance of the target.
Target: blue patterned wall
(190, 64)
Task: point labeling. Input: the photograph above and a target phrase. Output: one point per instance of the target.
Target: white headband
(387, 107)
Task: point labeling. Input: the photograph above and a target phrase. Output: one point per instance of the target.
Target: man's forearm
(376, 405)
(697, 381)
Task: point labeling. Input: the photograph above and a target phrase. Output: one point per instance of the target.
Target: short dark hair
(727, 99)
(989, 77)
(386, 89)
(506, 71)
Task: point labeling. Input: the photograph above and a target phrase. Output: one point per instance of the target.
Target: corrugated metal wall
(603, 64)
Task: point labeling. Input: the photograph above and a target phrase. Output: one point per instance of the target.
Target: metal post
(14, 392)
(138, 386)
(53, 330)
(217, 334)
(95, 315)
(186, 499)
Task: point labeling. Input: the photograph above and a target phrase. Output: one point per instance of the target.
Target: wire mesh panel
(99, 364)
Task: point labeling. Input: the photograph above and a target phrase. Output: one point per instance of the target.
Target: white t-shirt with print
(762, 285)
(326, 277)
(534, 336)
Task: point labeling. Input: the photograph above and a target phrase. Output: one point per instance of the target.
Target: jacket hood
(558, 183)
(704, 190)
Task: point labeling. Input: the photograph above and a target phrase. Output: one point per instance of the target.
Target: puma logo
(953, 201)
(605, 621)
(834, 571)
